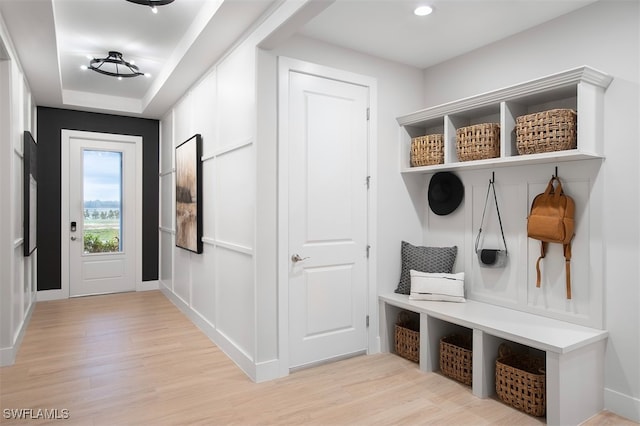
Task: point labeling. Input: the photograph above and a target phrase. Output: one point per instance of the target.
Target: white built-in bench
(574, 354)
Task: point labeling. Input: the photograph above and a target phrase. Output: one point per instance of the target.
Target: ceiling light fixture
(115, 66)
(152, 3)
(423, 10)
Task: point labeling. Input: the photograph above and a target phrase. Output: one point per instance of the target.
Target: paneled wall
(230, 290)
(17, 273)
(514, 286)
(217, 286)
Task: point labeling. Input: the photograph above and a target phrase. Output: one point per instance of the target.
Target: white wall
(216, 286)
(220, 289)
(231, 289)
(605, 36)
(17, 273)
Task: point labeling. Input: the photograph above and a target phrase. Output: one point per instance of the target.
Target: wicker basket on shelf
(478, 142)
(407, 337)
(546, 131)
(427, 150)
(456, 357)
(521, 381)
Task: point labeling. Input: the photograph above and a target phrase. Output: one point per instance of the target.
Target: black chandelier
(152, 3)
(115, 66)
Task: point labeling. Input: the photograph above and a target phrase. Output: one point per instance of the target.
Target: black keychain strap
(486, 201)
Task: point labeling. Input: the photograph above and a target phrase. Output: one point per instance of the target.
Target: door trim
(64, 198)
(285, 66)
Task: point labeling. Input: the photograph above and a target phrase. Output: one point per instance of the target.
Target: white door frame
(64, 198)
(285, 66)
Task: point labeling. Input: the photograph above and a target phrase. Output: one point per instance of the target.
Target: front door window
(102, 205)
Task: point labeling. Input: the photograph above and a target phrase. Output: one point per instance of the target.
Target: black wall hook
(555, 175)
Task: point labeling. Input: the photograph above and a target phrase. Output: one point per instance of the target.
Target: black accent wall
(51, 121)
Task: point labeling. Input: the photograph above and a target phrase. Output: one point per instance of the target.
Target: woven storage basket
(521, 381)
(547, 131)
(427, 150)
(407, 337)
(478, 142)
(456, 357)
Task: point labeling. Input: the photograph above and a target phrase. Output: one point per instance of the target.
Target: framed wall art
(30, 196)
(189, 194)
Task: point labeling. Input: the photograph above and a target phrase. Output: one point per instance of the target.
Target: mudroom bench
(574, 354)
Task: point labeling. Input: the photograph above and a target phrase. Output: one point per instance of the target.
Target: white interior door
(101, 212)
(328, 140)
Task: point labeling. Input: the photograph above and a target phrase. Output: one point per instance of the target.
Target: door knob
(296, 258)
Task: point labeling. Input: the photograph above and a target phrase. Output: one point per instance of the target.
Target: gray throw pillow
(424, 259)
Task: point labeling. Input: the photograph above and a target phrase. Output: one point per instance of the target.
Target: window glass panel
(102, 187)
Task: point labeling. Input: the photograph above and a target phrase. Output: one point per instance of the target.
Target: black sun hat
(445, 193)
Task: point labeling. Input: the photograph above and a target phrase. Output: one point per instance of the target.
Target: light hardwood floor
(134, 358)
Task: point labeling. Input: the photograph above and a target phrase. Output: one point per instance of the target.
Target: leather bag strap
(543, 250)
(554, 191)
(486, 201)
(567, 267)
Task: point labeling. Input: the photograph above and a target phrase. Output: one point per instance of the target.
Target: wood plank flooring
(134, 358)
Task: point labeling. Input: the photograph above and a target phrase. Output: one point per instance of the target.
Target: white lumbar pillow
(437, 286)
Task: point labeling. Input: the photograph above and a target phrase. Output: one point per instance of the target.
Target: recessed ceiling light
(84, 67)
(423, 10)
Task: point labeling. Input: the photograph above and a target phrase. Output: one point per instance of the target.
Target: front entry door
(328, 143)
(102, 213)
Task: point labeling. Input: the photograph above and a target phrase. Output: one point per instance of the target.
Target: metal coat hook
(493, 177)
(556, 173)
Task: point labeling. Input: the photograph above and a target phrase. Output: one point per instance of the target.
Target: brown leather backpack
(551, 221)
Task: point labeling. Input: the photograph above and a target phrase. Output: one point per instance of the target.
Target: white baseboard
(267, 370)
(237, 355)
(44, 295)
(8, 355)
(58, 294)
(622, 405)
(375, 348)
(148, 285)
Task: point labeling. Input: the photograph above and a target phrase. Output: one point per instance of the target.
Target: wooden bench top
(529, 329)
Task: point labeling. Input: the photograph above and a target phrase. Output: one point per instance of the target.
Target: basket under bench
(574, 353)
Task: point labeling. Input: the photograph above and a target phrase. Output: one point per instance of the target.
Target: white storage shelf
(580, 89)
(574, 354)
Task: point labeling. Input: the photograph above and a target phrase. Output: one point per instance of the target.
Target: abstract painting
(30, 220)
(189, 194)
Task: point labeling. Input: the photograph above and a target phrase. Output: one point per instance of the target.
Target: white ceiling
(175, 46)
(389, 28)
(179, 43)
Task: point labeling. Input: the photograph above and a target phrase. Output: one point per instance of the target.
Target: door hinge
(368, 182)
(368, 251)
(368, 113)
(367, 320)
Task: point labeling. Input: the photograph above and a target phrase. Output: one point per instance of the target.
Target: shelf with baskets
(561, 120)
